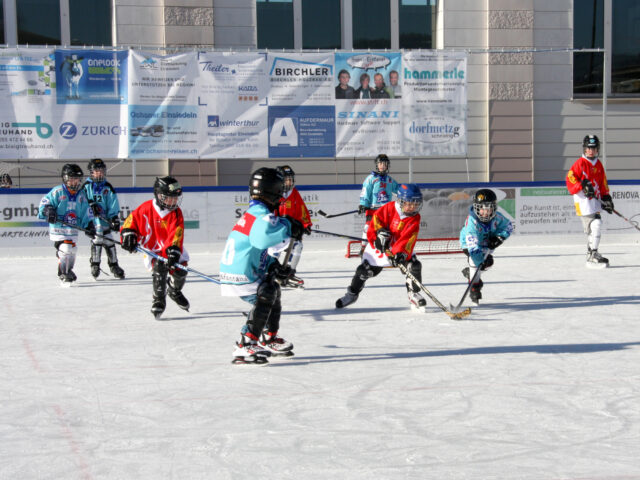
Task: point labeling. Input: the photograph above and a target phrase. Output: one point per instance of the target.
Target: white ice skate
(250, 352)
(418, 303)
(278, 346)
(595, 260)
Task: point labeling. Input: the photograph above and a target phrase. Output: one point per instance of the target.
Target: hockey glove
(399, 258)
(607, 203)
(495, 242)
(90, 231)
(114, 223)
(587, 189)
(129, 240)
(280, 272)
(49, 213)
(296, 228)
(488, 262)
(307, 230)
(95, 208)
(173, 255)
(383, 239)
(361, 209)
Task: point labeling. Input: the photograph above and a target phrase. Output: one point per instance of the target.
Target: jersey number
(229, 252)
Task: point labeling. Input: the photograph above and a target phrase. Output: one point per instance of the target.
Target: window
(625, 45)
(275, 23)
(2, 39)
(416, 23)
(90, 22)
(38, 22)
(321, 24)
(371, 24)
(588, 32)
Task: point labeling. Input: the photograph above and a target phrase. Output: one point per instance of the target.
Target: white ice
(542, 381)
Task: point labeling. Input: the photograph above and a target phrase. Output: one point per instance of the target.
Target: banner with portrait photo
(368, 99)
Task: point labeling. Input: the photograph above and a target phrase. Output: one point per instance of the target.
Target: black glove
(173, 255)
(90, 231)
(361, 209)
(383, 239)
(607, 203)
(495, 242)
(587, 188)
(280, 272)
(129, 240)
(95, 208)
(49, 213)
(296, 228)
(488, 262)
(307, 230)
(399, 258)
(114, 223)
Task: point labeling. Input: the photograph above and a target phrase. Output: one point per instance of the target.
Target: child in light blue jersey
(484, 230)
(106, 211)
(249, 267)
(66, 203)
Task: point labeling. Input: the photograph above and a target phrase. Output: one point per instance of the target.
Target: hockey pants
(365, 271)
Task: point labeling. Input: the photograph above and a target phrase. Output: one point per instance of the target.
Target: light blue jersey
(105, 196)
(251, 248)
(377, 190)
(73, 209)
(475, 234)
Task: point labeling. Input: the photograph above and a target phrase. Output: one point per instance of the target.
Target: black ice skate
(595, 260)
(465, 272)
(158, 306)
(95, 270)
(116, 270)
(476, 292)
(349, 298)
(179, 298)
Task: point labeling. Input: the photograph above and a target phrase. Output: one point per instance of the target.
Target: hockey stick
(326, 215)
(471, 282)
(93, 234)
(177, 265)
(338, 235)
(456, 315)
(633, 224)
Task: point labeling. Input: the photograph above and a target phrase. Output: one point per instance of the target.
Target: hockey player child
(393, 229)
(106, 209)
(484, 230)
(66, 203)
(587, 181)
(377, 189)
(158, 225)
(249, 268)
(293, 205)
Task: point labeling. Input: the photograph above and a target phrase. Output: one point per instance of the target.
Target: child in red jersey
(392, 234)
(158, 225)
(292, 205)
(587, 181)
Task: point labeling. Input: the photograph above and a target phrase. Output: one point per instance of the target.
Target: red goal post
(424, 246)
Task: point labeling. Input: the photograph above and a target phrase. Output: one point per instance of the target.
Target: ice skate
(294, 282)
(595, 260)
(95, 270)
(465, 273)
(278, 346)
(116, 271)
(476, 292)
(179, 298)
(348, 299)
(418, 303)
(249, 352)
(158, 306)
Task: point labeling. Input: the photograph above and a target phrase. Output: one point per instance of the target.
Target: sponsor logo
(368, 61)
(149, 63)
(435, 130)
(247, 88)
(213, 121)
(43, 129)
(454, 74)
(285, 67)
(370, 114)
(68, 130)
(209, 66)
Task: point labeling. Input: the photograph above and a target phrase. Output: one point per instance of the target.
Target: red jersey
(294, 206)
(157, 229)
(583, 168)
(404, 229)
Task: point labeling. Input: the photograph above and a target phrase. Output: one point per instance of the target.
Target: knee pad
(366, 271)
(268, 292)
(595, 231)
(66, 253)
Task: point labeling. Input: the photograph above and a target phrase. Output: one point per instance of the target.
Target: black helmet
(382, 158)
(168, 193)
(97, 168)
(289, 177)
(5, 181)
(71, 171)
(483, 199)
(267, 184)
(591, 141)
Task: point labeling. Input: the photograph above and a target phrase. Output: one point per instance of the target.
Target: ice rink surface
(541, 381)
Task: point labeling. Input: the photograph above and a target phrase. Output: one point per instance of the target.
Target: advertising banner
(368, 97)
(232, 97)
(435, 99)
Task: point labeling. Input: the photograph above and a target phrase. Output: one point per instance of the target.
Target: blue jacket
(73, 209)
(251, 248)
(475, 234)
(377, 190)
(104, 195)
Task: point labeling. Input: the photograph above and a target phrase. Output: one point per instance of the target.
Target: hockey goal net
(424, 246)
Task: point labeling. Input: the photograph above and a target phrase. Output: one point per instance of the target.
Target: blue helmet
(409, 199)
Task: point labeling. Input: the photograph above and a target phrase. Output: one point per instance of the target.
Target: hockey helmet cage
(267, 185)
(289, 177)
(382, 158)
(485, 204)
(409, 199)
(167, 192)
(5, 181)
(71, 177)
(97, 169)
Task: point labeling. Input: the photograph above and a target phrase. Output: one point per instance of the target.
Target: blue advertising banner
(303, 131)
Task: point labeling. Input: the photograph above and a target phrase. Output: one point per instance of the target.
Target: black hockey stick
(341, 235)
(326, 215)
(456, 315)
(633, 224)
(471, 282)
(177, 265)
(92, 233)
